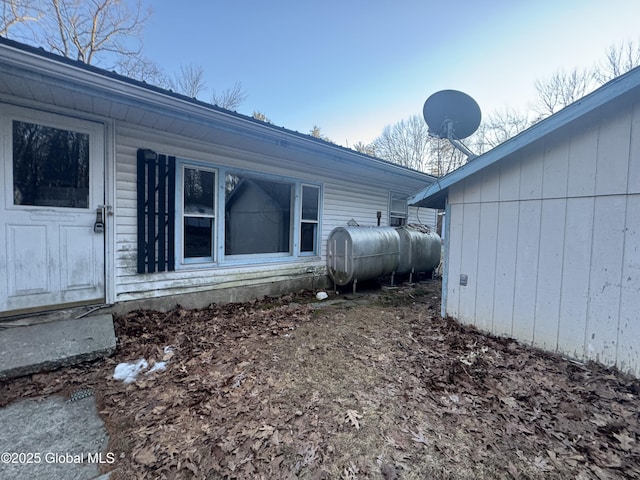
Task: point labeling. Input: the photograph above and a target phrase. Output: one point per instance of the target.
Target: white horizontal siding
(423, 216)
(550, 243)
(344, 199)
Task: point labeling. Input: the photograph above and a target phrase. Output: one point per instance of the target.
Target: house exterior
(115, 192)
(542, 235)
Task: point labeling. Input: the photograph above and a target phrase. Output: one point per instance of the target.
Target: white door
(51, 250)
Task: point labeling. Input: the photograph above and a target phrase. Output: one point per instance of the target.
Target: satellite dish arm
(448, 128)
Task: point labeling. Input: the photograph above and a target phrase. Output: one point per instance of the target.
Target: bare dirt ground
(276, 389)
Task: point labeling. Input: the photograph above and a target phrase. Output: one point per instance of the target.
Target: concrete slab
(26, 349)
(53, 439)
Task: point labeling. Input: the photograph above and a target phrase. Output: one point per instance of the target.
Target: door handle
(98, 227)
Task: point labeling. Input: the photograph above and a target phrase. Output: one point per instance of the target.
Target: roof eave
(114, 86)
(434, 195)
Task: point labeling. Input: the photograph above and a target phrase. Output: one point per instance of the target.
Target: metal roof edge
(30, 57)
(434, 193)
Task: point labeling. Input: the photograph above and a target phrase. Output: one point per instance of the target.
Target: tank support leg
(411, 276)
(355, 282)
(393, 274)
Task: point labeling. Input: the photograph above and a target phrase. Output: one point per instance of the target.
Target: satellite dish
(452, 115)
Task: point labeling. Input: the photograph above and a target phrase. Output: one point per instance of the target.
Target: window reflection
(50, 166)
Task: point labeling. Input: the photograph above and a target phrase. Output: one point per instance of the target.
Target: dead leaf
(542, 464)
(513, 470)
(600, 420)
(353, 416)
(420, 438)
(509, 402)
(625, 440)
(511, 411)
(145, 457)
(265, 431)
(388, 472)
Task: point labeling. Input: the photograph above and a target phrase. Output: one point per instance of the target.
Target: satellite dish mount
(452, 115)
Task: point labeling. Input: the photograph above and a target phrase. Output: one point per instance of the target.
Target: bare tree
(405, 143)
(408, 143)
(367, 149)
(444, 158)
(497, 128)
(190, 80)
(231, 98)
(562, 89)
(107, 33)
(144, 70)
(91, 31)
(16, 13)
(619, 59)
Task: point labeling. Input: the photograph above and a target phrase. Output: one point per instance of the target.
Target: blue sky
(354, 66)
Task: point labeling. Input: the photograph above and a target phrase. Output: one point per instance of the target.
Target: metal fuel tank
(362, 253)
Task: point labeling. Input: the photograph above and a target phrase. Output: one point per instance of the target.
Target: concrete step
(31, 348)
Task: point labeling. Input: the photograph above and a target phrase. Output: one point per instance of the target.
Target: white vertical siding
(628, 352)
(526, 272)
(510, 180)
(613, 154)
(506, 253)
(576, 261)
(550, 242)
(555, 166)
(549, 273)
(487, 252)
(607, 247)
(453, 265)
(581, 177)
(469, 261)
(531, 173)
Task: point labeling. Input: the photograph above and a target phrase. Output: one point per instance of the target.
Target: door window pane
(50, 166)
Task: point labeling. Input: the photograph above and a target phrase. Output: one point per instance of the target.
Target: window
(198, 213)
(228, 216)
(257, 215)
(50, 166)
(309, 219)
(398, 210)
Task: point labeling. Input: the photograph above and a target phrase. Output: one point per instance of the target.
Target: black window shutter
(156, 185)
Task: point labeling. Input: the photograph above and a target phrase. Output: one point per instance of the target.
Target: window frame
(404, 215)
(219, 258)
(316, 222)
(181, 166)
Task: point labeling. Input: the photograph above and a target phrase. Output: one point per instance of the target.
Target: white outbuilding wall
(549, 239)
